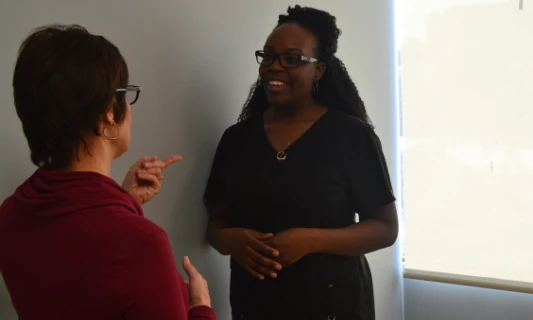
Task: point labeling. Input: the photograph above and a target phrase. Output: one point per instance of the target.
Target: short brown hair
(65, 80)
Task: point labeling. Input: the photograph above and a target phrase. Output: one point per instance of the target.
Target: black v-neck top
(334, 170)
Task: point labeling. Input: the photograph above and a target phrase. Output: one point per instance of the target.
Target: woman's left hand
(292, 245)
(143, 180)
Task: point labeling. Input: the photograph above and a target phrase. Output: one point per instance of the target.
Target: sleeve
(214, 191)
(370, 183)
(202, 313)
(157, 290)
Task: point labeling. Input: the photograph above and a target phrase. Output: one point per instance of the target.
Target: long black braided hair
(336, 90)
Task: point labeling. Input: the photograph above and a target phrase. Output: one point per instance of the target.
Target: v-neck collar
(261, 124)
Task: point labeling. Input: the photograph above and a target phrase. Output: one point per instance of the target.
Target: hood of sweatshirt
(55, 193)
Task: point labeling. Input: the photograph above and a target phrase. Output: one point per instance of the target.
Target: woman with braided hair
(289, 177)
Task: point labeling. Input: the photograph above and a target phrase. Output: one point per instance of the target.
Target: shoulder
(239, 133)
(350, 126)
(134, 225)
(128, 229)
(240, 127)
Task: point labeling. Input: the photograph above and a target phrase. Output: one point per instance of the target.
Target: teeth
(276, 83)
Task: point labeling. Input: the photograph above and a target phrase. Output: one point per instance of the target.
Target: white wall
(439, 301)
(195, 62)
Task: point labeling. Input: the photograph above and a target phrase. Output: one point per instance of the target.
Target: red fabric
(75, 245)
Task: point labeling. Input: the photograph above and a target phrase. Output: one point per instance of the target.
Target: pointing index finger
(147, 159)
(170, 160)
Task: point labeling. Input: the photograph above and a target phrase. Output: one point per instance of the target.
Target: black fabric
(334, 170)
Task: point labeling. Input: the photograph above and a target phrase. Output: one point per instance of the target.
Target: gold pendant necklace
(282, 155)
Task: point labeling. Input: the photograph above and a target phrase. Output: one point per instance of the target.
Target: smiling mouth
(276, 85)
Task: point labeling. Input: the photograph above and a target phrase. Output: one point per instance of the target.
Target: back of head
(65, 80)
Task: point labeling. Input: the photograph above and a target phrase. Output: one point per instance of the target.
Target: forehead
(289, 36)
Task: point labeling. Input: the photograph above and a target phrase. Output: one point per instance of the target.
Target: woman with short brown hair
(74, 244)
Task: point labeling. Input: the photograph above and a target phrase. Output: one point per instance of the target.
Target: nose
(276, 65)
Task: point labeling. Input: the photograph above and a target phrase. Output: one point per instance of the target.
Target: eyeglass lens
(287, 59)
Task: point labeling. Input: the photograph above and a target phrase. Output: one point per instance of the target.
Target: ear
(320, 70)
(109, 117)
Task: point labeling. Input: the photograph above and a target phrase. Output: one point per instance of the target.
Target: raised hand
(143, 180)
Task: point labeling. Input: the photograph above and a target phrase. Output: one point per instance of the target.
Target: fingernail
(274, 275)
(278, 267)
(262, 277)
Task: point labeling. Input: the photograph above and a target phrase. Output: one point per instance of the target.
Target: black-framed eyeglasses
(131, 93)
(286, 60)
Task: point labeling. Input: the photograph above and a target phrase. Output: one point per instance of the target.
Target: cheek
(302, 81)
(128, 114)
(262, 71)
(127, 121)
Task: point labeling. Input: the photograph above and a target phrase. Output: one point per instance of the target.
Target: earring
(258, 82)
(118, 131)
(315, 87)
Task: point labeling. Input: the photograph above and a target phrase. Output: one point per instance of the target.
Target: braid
(336, 88)
(255, 104)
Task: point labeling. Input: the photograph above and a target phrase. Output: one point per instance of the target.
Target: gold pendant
(282, 155)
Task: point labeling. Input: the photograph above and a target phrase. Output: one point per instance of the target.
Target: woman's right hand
(198, 290)
(248, 249)
(143, 180)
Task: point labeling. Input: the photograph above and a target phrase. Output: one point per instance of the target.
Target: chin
(121, 150)
(278, 100)
(119, 154)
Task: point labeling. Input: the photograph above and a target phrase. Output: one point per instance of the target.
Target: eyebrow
(286, 50)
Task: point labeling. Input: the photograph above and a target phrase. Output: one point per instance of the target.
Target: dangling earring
(118, 131)
(315, 87)
(258, 82)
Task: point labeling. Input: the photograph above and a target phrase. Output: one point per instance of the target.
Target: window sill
(480, 282)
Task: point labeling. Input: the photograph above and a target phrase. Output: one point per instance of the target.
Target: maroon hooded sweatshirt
(75, 245)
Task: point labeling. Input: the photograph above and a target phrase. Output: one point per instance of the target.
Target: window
(466, 79)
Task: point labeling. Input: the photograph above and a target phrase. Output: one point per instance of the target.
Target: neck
(297, 113)
(97, 157)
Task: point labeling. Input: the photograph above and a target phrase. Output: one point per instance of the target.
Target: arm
(370, 193)
(372, 197)
(156, 289)
(202, 313)
(370, 235)
(223, 237)
(214, 198)
(215, 228)
(246, 246)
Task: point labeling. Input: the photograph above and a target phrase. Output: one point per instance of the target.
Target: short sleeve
(370, 183)
(214, 191)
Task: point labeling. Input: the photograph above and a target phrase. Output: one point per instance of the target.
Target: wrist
(222, 239)
(200, 302)
(315, 241)
(134, 196)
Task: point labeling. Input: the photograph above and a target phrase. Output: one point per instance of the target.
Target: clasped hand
(264, 254)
